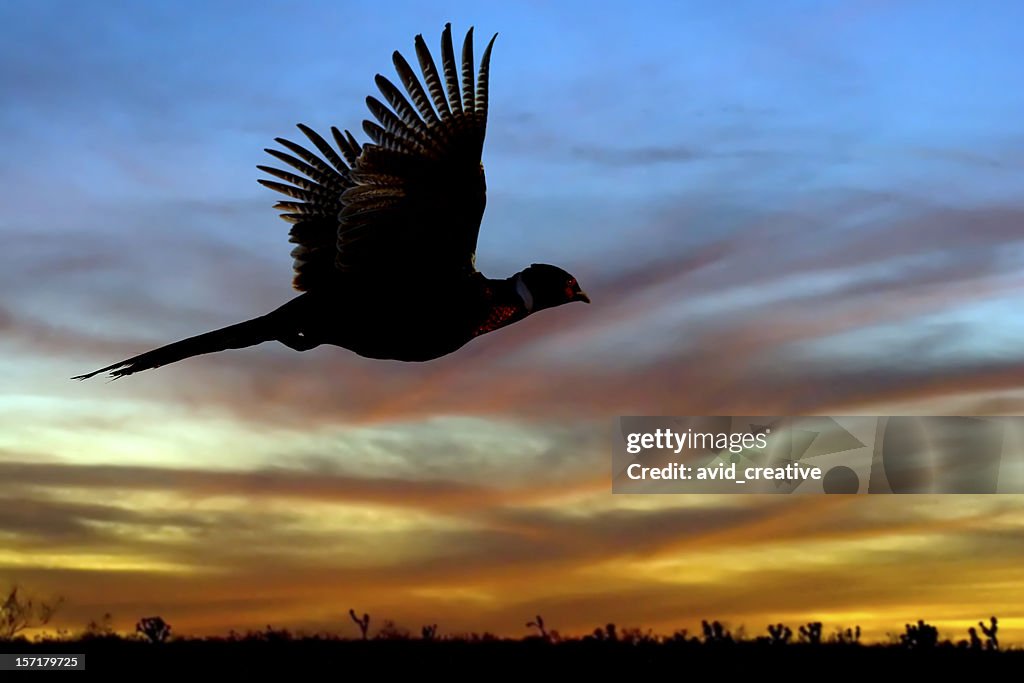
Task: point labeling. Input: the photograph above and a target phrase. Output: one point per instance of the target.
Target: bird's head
(543, 286)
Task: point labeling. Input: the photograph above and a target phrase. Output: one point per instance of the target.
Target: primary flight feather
(386, 232)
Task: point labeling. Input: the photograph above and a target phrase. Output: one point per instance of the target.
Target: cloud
(501, 376)
(640, 156)
(790, 558)
(439, 496)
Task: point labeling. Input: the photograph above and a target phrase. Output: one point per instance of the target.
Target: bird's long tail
(238, 336)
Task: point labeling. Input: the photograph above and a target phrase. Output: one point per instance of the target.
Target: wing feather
(483, 82)
(314, 218)
(306, 169)
(347, 144)
(407, 204)
(433, 79)
(407, 138)
(296, 180)
(451, 70)
(415, 89)
(324, 173)
(293, 192)
(468, 96)
(325, 149)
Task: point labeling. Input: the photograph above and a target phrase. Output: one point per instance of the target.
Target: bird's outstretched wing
(410, 202)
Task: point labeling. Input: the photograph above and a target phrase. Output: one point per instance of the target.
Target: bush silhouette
(538, 623)
(19, 612)
(811, 633)
(390, 631)
(849, 636)
(104, 628)
(779, 634)
(364, 623)
(715, 633)
(920, 636)
(154, 628)
(991, 641)
(975, 643)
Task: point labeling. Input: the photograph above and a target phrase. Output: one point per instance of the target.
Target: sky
(777, 209)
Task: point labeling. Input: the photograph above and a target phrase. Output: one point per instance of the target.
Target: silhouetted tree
(975, 643)
(780, 634)
(680, 636)
(636, 636)
(364, 623)
(811, 633)
(18, 613)
(274, 635)
(429, 632)
(919, 636)
(848, 636)
(715, 632)
(605, 634)
(154, 628)
(390, 631)
(104, 628)
(991, 640)
(538, 623)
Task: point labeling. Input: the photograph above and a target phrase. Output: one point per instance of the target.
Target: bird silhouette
(386, 232)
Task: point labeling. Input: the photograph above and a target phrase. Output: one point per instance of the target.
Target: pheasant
(386, 232)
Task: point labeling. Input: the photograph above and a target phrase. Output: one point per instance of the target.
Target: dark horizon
(607, 648)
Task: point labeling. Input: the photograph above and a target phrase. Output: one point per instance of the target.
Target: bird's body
(425, 323)
(386, 232)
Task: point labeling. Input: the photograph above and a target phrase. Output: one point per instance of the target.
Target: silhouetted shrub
(779, 634)
(680, 636)
(154, 628)
(389, 631)
(19, 612)
(715, 633)
(920, 636)
(364, 623)
(274, 635)
(848, 636)
(538, 623)
(811, 633)
(636, 636)
(104, 628)
(975, 643)
(991, 641)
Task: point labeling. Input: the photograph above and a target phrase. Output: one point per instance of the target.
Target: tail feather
(238, 336)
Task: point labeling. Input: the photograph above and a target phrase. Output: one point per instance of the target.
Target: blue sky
(603, 122)
(777, 208)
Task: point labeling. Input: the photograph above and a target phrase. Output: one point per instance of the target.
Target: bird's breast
(409, 323)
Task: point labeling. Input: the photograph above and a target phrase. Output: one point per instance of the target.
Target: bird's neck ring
(524, 293)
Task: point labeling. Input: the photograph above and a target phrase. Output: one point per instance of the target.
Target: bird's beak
(582, 296)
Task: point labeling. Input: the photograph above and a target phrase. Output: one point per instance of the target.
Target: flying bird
(386, 232)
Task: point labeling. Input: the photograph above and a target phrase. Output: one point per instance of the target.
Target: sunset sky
(777, 208)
